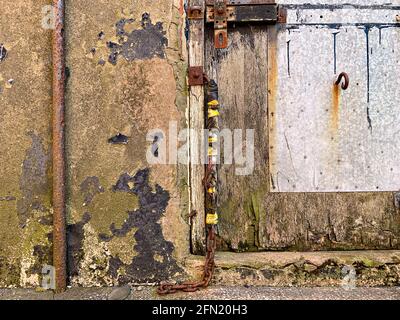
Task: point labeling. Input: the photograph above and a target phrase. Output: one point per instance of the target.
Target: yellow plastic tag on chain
(212, 219)
(212, 152)
(213, 103)
(213, 113)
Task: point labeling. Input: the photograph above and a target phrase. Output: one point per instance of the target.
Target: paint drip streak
(288, 57)
(335, 52)
(367, 29)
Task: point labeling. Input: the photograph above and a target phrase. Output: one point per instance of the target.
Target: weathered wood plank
(329, 221)
(196, 124)
(241, 72)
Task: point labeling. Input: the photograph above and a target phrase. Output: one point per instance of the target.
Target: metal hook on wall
(346, 82)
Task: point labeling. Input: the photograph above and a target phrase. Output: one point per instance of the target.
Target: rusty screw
(346, 83)
(195, 10)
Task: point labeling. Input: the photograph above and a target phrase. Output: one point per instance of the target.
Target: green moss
(369, 263)
(9, 273)
(35, 234)
(228, 211)
(252, 207)
(123, 247)
(111, 208)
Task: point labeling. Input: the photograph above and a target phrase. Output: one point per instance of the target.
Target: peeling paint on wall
(8, 198)
(119, 139)
(90, 188)
(145, 43)
(75, 234)
(154, 259)
(3, 53)
(33, 180)
(133, 252)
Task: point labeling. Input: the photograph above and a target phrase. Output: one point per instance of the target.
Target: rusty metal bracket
(197, 76)
(220, 24)
(221, 12)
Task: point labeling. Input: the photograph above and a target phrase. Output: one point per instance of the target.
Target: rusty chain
(209, 268)
(210, 185)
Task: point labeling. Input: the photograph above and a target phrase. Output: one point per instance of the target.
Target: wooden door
(268, 77)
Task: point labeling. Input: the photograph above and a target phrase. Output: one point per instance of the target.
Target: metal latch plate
(220, 12)
(196, 76)
(267, 13)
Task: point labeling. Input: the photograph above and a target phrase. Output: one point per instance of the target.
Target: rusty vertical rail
(59, 217)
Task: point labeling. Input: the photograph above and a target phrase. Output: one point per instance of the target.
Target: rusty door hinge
(220, 12)
(197, 77)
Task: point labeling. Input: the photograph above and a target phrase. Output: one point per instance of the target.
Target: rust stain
(335, 112)
(181, 8)
(332, 133)
(272, 89)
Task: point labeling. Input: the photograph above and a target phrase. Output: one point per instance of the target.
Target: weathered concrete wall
(127, 76)
(304, 269)
(25, 111)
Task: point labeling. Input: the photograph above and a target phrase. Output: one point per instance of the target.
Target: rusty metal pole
(59, 216)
